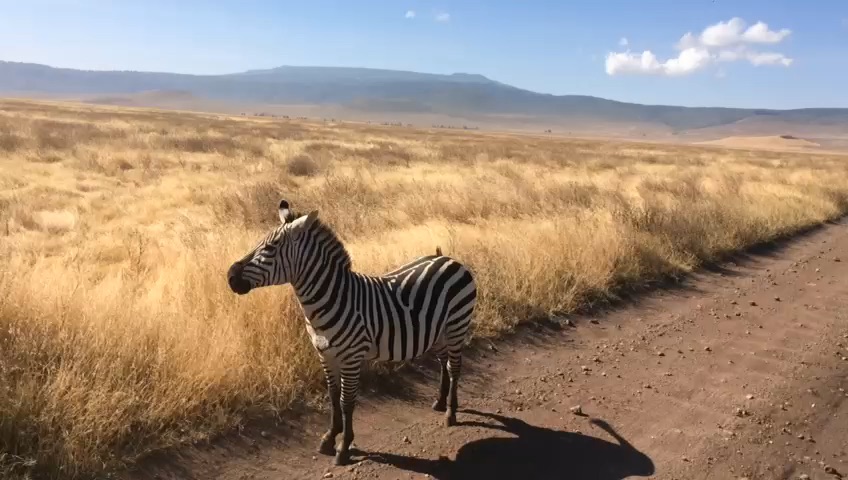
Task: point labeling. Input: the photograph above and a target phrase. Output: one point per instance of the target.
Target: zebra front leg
(441, 403)
(328, 440)
(350, 387)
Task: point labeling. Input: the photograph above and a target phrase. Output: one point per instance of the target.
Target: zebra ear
(310, 219)
(284, 211)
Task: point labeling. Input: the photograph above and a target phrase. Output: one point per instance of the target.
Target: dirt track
(738, 373)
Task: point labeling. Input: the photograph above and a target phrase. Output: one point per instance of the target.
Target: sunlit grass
(118, 334)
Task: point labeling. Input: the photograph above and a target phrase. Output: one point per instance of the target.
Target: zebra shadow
(534, 452)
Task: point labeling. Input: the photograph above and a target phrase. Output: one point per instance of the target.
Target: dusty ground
(740, 372)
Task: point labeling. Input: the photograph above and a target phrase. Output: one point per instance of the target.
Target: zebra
(423, 306)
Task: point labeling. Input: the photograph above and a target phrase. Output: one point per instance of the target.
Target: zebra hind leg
(328, 440)
(456, 332)
(454, 369)
(441, 403)
(455, 335)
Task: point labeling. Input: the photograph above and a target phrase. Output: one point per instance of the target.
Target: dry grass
(118, 334)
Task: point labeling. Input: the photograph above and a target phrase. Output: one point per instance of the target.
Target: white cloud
(733, 32)
(443, 17)
(631, 63)
(623, 42)
(689, 60)
(729, 41)
(769, 58)
(755, 58)
(722, 34)
(410, 14)
(760, 33)
(687, 41)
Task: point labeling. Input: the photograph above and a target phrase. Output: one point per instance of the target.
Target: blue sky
(798, 59)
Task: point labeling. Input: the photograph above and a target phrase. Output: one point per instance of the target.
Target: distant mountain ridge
(375, 90)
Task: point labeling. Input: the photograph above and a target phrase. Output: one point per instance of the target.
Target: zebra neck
(323, 292)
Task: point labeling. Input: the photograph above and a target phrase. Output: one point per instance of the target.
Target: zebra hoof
(440, 406)
(342, 458)
(327, 447)
(450, 420)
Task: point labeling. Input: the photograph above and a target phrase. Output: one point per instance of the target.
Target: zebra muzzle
(237, 284)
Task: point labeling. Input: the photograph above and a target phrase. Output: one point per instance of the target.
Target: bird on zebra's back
(423, 306)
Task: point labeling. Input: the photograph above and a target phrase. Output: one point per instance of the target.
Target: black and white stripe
(423, 306)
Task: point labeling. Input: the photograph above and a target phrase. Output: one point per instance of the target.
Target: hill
(362, 92)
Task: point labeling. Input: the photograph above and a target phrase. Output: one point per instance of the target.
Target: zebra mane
(327, 236)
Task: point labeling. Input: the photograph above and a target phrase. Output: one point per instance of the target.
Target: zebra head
(272, 262)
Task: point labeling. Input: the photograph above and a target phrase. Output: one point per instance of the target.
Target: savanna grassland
(119, 335)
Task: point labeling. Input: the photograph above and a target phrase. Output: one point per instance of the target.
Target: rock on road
(740, 372)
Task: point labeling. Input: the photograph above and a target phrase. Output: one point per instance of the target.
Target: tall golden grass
(118, 334)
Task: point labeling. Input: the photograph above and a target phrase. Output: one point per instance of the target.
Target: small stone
(577, 410)
(776, 299)
(752, 303)
(263, 434)
(584, 368)
(660, 354)
(328, 475)
(803, 476)
(406, 440)
(837, 259)
(832, 471)
(750, 396)
(708, 349)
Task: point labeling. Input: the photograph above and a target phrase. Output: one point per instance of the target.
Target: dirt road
(738, 373)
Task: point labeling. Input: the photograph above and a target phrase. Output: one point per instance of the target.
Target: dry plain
(119, 336)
